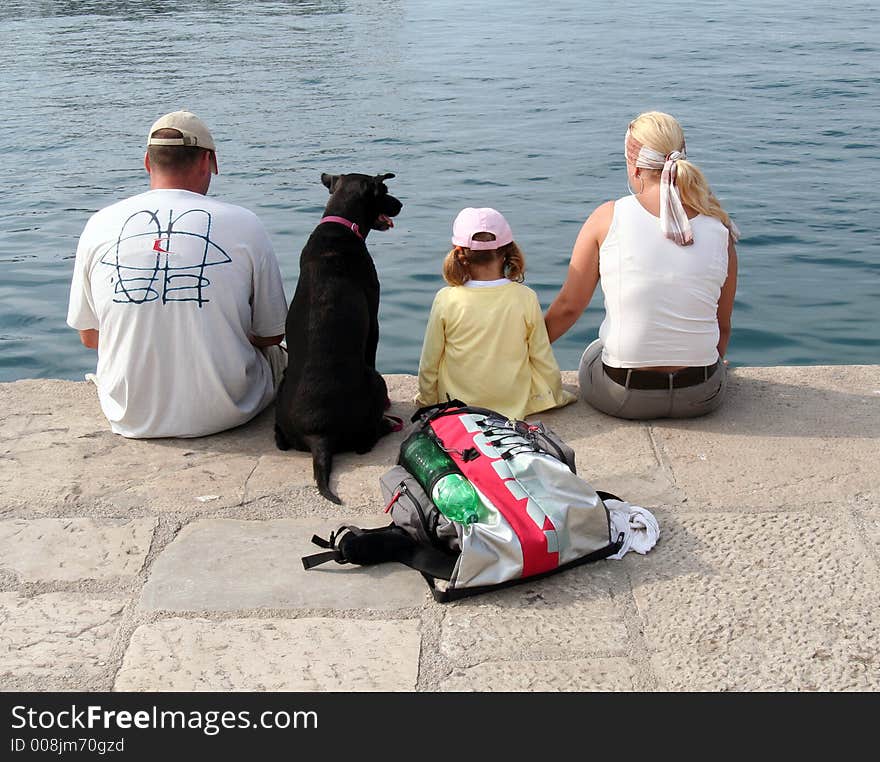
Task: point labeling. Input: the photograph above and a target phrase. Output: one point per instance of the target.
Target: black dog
(331, 398)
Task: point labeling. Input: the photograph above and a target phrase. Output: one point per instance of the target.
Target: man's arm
(80, 308)
(89, 338)
(268, 303)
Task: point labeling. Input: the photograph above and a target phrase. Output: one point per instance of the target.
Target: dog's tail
(322, 462)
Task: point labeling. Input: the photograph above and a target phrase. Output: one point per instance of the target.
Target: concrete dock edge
(174, 564)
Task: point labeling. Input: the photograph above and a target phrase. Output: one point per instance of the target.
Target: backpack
(539, 516)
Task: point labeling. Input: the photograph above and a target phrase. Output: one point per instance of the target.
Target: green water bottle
(454, 496)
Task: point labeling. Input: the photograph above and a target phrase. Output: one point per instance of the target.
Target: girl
(486, 343)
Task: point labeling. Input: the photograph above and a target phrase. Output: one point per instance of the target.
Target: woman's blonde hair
(456, 266)
(663, 133)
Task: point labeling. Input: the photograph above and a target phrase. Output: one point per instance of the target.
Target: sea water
(512, 104)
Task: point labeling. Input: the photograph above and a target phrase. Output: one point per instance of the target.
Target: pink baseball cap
(471, 221)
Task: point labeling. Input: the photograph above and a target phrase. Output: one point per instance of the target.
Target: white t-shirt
(661, 299)
(175, 282)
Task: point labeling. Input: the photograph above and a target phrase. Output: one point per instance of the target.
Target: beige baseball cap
(194, 133)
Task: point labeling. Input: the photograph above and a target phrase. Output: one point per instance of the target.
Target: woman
(667, 261)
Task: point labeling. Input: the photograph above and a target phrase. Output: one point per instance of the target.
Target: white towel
(638, 525)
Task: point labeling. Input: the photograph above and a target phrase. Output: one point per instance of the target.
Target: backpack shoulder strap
(426, 413)
(607, 496)
(332, 554)
(365, 547)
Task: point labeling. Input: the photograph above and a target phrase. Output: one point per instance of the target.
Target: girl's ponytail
(456, 271)
(514, 262)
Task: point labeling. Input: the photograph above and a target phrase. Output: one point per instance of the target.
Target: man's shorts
(277, 357)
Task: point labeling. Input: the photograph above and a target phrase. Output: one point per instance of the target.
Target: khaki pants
(277, 357)
(618, 400)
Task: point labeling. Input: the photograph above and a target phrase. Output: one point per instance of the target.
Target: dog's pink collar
(353, 226)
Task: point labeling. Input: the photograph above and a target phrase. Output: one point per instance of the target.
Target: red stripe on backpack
(533, 538)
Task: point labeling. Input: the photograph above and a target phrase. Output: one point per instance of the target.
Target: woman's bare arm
(725, 300)
(583, 274)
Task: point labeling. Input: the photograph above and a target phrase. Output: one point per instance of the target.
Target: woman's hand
(583, 274)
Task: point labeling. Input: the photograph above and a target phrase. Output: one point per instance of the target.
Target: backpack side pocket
(413, 511)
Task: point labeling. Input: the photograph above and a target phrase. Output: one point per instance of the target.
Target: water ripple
(776, 107)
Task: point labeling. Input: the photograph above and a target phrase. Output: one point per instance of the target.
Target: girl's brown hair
(456, 266)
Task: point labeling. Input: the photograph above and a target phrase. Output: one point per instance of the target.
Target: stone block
(764, 601)
(68, 550)
(599, 674)
(784, 435)
(272, 655)
(229, 565)
(563, 617)
(56, 641)
(203, 481)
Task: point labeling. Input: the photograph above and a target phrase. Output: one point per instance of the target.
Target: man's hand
(89, 338)
(265, 341)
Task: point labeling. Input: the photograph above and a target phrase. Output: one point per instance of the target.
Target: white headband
(674, 221)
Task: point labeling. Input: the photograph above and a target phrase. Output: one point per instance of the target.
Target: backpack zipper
(395, 497)
(430, 531)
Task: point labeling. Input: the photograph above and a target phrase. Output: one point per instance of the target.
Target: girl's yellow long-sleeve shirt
(488, 346)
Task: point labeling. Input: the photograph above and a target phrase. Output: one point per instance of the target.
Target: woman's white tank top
(661, 299)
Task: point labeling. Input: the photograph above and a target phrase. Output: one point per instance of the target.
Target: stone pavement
(175, 565)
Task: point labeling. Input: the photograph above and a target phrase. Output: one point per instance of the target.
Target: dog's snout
(394, 206)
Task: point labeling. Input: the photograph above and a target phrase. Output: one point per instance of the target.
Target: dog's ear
(383, 178)
(329, 181)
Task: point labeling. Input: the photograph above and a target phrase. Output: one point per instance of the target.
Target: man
(182, 297)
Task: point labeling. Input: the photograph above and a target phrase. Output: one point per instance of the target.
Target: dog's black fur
(331, 398)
